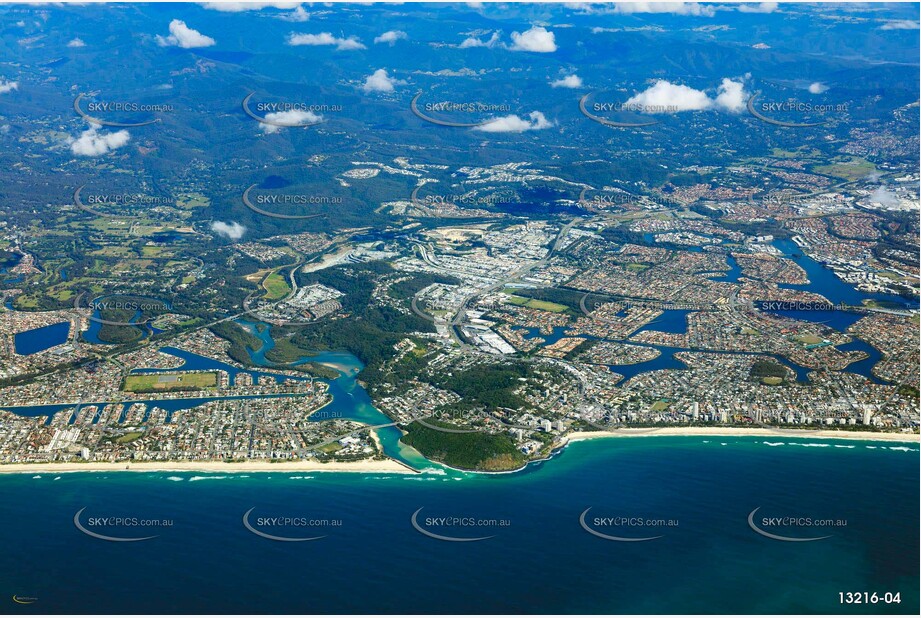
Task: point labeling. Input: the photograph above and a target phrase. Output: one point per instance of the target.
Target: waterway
(350, 401)
(39, 339)
(823, 280)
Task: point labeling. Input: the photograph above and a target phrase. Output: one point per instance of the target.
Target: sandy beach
(385, 466)
(745, 431)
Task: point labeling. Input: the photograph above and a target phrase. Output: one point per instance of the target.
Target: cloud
(570, 81)
(668, 98)
(91, 143)
(391, 36)
(184, 37)
(462, 72)
(763, 7)
(238, 7)
(515, 124)
(297, 15)
(817, 87)
(8, 86)
(677, 8)
(76, 43)
(475, 42)
(537, 39)
(292, 117)
(664, 97)
(731, 96)
(379, 81)
(884, 197)
(325, 38)
(232, 230)
(900, 24)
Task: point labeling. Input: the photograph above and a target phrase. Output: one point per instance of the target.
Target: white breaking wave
(904, 449)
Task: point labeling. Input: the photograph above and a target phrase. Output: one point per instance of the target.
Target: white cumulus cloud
(325, 38)
(297, 15)
(817, 88)
(677, 8)
(731, 95)
(900, 24)
(515, 124)
(475, 42)
(92, 143)
(537, 39)
(238, 7)
(379, 81)
(290, 117)
(570, 81)
(7, 86)
(391, 37)
(761, 7)
(232, 230)
(664, 97)
(180, 35)
(76, 43)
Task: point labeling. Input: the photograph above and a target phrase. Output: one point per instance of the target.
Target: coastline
(390, 466)
(387, 466)
(871, 436)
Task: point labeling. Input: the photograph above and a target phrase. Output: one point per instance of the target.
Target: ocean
(694, 494)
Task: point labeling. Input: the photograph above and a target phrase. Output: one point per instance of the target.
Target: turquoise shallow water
(542, 560)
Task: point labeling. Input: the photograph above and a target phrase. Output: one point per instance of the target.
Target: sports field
(533, 303)
(169, 381)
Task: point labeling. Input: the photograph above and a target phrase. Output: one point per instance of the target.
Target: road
(459, 312)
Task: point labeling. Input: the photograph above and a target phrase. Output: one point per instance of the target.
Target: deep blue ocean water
(542, 561)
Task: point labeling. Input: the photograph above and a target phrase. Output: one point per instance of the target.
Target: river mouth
(350, 401)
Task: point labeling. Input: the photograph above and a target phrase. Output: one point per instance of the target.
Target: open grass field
(276, 286)
(169, 381)
(532, 303)
(854, 169)
(61, 294)
(192, 200)
(156, 252)
(808, 339)
(131, 436)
